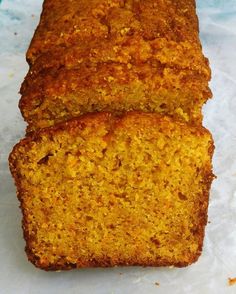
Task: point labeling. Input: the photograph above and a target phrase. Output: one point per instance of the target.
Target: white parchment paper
(18, 19)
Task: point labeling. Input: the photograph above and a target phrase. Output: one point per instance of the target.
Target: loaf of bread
(115, 55)
(102, 190)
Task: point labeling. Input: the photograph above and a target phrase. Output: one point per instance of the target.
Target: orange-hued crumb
(113, 55)
(105, 190)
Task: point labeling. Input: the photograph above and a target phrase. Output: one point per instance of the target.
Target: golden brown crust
(115, 55)
(132, 50)
(63, 24)
(125, 122)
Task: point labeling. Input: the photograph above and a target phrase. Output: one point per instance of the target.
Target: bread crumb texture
(115, 55)
(105, 190)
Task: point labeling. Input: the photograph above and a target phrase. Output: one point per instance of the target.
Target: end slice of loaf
(104, 191)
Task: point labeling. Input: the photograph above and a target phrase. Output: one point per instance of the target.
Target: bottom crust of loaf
(102, 190)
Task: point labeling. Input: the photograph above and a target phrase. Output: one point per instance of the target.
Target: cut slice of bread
(103, 190)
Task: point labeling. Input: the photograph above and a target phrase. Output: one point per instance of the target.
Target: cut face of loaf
(104, 191)
(117, 56)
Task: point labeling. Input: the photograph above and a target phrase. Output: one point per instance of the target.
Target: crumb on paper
(233, 200)
(121, 274)
(15, 33)
(157, 284)
(32, 15)
(232, 281)
(209, 222)
(138, 280)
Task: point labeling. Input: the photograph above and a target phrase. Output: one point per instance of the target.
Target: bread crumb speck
(157, 284)
(232, 281)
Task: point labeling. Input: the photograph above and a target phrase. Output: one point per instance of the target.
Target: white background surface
(210, 274)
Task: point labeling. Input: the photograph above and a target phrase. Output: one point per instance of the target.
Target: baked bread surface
(117, 56)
